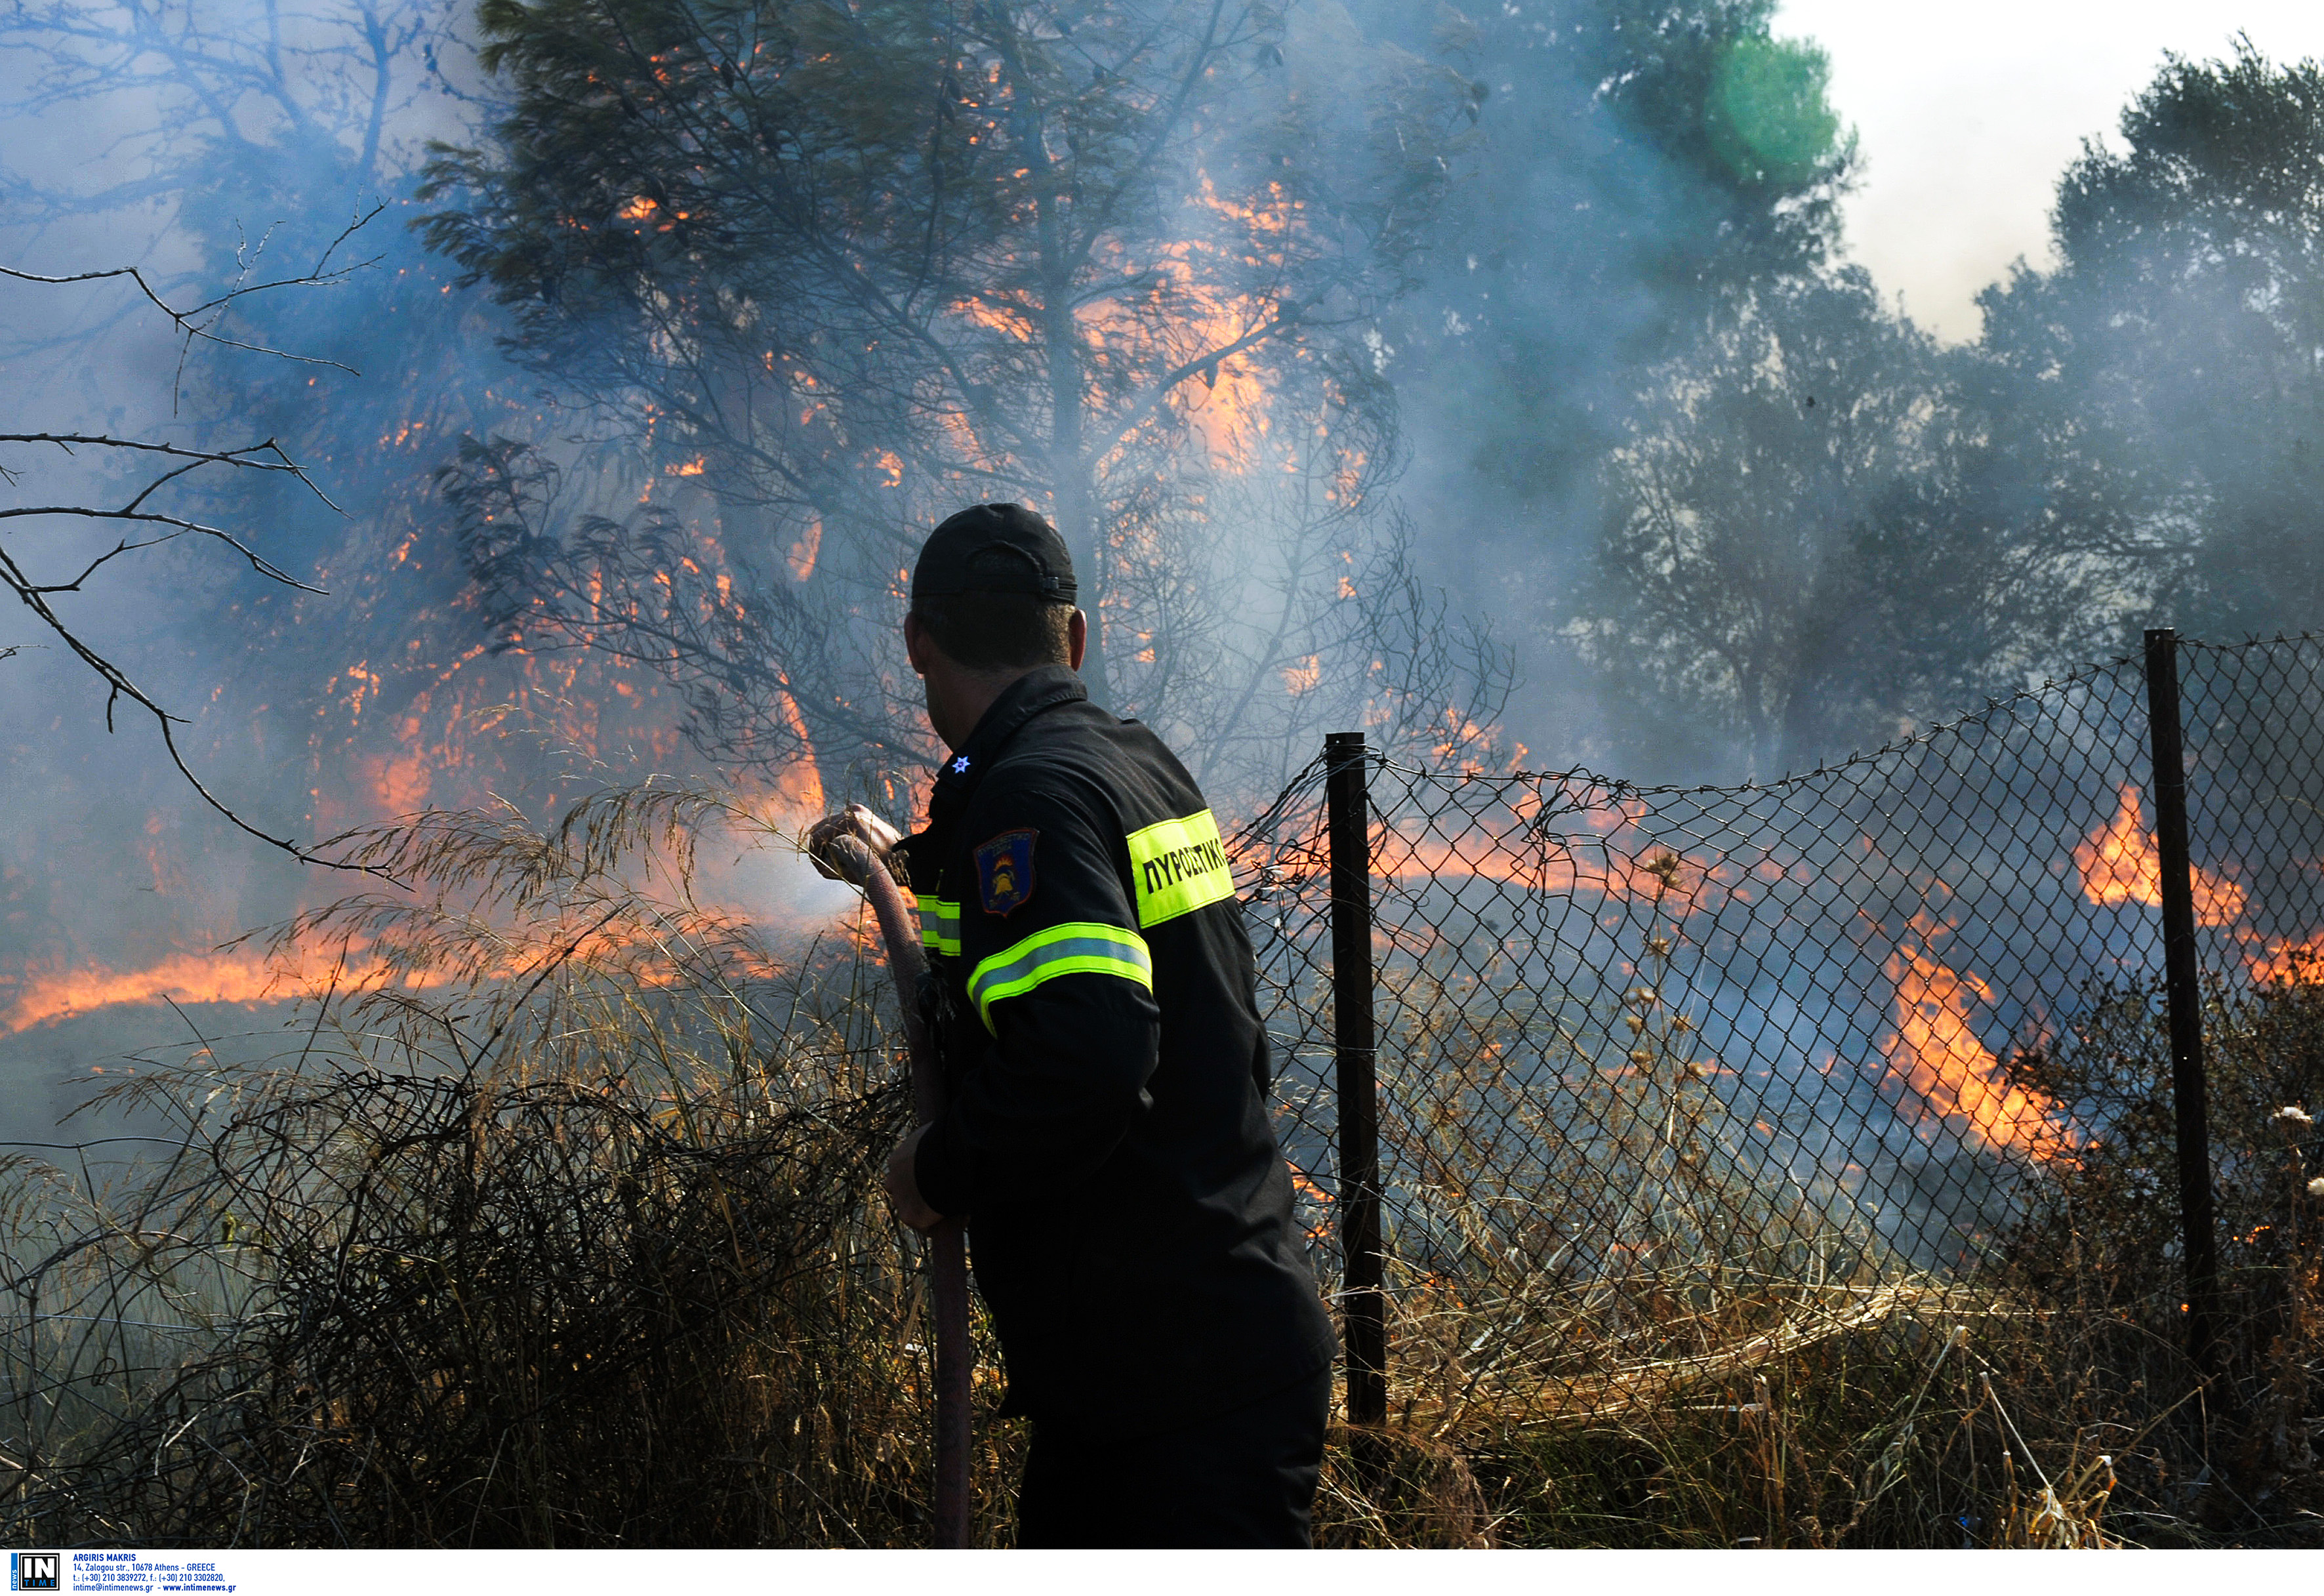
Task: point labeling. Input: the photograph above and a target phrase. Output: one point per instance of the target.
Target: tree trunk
(1076, 523)
(1075, 495)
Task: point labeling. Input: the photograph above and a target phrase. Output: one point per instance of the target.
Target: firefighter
(1105, 1128)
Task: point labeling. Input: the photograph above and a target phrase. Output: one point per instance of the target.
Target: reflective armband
(1178, 866)
(939, 925)
(1080, 947)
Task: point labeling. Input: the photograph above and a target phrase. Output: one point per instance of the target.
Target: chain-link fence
(1669, 1080)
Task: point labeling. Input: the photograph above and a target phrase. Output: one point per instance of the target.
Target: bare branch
(173, 462)
(190, 321)
(13, 575)
(258, 562)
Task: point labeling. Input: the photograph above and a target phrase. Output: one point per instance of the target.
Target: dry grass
(1777, 1378)
(560, 1226)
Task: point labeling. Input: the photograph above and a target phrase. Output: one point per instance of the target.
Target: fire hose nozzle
(868, 839)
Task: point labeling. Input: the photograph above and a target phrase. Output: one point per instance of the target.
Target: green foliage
(2135, 438)
(1810, 541)
(1766, 116)
(2165, 371)
(1710, 90)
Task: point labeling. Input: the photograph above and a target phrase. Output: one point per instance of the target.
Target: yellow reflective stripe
(1178, 866)
(939, 924)
(1079, 948)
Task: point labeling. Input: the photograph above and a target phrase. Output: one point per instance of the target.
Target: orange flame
(803, 553)
(1634, 868)
(1321, 1231)
(2119, 864)
(188, 978)
(1936, 1050)
(245, 975)
(2289, 961)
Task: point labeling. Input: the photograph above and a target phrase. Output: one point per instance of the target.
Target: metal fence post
(1363, 1309)
(2183, 995)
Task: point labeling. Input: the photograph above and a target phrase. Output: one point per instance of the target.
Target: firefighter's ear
(917, 644)
(1076, 639)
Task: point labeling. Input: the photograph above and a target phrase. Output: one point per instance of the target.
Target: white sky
(1966, 112)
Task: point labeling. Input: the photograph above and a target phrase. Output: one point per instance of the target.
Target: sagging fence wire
(1671, 1080)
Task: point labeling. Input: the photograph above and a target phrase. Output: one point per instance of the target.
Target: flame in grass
(181, 977)
(2119, 864)
(1625, 869)
(311, 965)
(323, 952)
(1934, 1050)
(1319, 1233)
(234, 973)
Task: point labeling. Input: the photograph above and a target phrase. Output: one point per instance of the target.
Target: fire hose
(947, 1249)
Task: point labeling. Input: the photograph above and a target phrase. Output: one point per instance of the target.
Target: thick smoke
(217, 147)
(1564, 242)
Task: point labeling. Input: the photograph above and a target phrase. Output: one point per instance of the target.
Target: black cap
(994, 549)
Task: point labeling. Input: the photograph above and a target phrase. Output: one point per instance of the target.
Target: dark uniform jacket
(1105, 1127)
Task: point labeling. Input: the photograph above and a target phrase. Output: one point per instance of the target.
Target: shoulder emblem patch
(1004, 869)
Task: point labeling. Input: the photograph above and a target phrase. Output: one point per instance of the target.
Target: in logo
(35, 1571)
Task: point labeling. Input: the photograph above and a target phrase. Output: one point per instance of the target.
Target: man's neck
(958, 704)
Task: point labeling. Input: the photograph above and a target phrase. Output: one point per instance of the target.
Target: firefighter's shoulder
(1031, 825)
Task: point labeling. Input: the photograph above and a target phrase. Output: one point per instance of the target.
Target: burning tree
(223, 142)
(838, 269)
